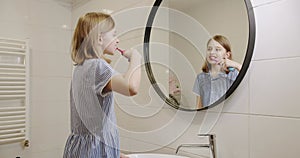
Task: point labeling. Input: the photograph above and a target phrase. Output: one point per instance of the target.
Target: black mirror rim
(243, 71)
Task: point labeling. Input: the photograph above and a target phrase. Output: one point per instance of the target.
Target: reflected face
(215, 52)
(110, 42)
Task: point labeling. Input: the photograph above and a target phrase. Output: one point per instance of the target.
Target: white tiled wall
(279, 95)
(41, 21)
(274, 88)
(274, 137)
(277, 30)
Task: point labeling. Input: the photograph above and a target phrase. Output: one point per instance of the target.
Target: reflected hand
(224, 64)
(233, 64)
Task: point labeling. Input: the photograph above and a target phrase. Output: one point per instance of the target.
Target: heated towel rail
(14, 91)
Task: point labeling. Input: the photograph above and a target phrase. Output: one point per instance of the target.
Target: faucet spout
(211, 145)
(192, 145)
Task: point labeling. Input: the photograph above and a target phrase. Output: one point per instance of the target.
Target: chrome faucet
(211, 145)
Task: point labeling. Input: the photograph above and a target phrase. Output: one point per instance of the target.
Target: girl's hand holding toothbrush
(128, 53)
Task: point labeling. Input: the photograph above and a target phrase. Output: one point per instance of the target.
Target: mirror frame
(242, 73)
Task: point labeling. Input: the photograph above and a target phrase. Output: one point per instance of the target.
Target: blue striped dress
(212, 89)
(94, 133)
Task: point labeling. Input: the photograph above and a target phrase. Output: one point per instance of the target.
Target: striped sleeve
(103, 75)
(196, 87)
(233, 74)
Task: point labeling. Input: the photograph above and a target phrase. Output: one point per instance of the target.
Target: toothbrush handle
(122, 53)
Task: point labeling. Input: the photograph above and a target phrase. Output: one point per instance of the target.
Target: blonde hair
(86, 34)
(224, 42)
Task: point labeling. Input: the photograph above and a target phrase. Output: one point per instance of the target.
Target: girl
(93, 121)
(219, 72)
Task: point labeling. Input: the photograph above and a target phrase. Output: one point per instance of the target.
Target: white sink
(154, 156)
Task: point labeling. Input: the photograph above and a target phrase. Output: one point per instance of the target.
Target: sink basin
(154, 156)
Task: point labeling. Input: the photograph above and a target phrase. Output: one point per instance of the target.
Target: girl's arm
(123, 156)
(127, 84)
(199, 102)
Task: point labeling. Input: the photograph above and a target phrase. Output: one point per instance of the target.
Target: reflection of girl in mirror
(94, 132)
(219, 72)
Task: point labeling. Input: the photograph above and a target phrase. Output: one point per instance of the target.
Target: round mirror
(198, 51)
